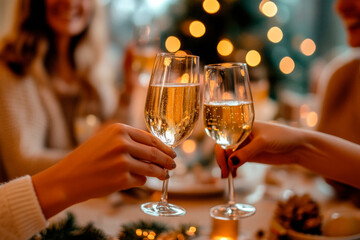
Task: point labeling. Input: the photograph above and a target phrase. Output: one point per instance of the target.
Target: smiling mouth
(67, 15)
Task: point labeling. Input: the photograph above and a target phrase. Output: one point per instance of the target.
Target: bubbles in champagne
(228, 122)
(172, 110)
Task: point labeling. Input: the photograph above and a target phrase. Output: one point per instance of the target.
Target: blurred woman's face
(349, 11)
(68, 17)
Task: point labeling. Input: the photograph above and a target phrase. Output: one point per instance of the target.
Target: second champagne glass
(228, 119)
(171, 111)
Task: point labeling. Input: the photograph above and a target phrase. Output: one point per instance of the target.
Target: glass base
(168, 210)
(234, 212)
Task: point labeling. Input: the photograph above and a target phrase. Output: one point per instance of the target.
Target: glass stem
(231, 190)
(164, 196)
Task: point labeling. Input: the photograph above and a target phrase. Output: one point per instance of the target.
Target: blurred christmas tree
(230, 19)
(259, 32)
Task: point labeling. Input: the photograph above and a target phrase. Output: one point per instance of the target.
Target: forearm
(331, 157)
(51, 191)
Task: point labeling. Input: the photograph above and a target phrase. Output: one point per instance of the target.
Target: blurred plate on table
(342, 223)
(188, 185)
(293, 235)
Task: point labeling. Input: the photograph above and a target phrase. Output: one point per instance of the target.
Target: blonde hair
(30, 48)
(31, 38)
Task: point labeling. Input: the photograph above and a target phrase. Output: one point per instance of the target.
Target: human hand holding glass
(171, 111)
(228, 119)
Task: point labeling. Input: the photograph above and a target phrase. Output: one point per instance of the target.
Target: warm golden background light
(269, 9)
(262, 4)
(197, 29)
(287, 65)
(211, 6)
(189, 146)
(307, 47)
(312, 119)
(185, 78)
(253, 58)
(225, 47)
(172, 44)
(275, 34)
(304, 110)
(180, 53)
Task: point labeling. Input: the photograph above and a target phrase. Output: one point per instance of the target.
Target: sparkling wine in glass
(171, 112)
(228, 119)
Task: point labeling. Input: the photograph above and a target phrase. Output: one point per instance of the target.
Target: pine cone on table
(300, 213)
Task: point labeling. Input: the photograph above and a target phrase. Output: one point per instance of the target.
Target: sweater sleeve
(24, 128)
(20, 213)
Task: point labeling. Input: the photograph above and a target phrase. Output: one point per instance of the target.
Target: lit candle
(222, 238)
(225, 229)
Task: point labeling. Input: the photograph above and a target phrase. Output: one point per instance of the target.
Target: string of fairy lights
(150, 235)
(225, 47)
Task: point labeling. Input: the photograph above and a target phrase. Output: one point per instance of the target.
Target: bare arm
(325, 154)
(332, 157)
(117, 158)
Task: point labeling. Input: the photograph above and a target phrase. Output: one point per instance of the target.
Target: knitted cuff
(24, 206)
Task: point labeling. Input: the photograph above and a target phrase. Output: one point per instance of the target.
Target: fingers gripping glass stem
(228, 119)
(171, 111)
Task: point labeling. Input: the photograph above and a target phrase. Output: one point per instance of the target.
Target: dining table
(267, 186)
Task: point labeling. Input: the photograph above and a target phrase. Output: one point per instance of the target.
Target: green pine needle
(67, 229)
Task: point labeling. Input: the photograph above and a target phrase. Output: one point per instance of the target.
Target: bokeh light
(304, 111)
(180, 53)
(253, 58)
(192, 229)
(262, 4)
(242, 72)
(189, 146)
(275, 34)
(185, 78)
(312, 119)
(211, 6)
(307, 47)
(92, 120)
(138, 232)
(287, 65)
(197, 29)
(222, 238)
(269, 9)
(172, 44)
(225, 47)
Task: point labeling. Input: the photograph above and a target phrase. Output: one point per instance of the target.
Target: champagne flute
(87, 118)
(171, 111)
(228, 119)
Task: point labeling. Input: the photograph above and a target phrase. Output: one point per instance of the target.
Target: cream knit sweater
(20, 213)
(33, 132)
